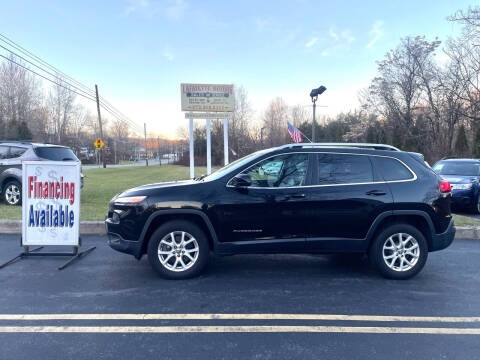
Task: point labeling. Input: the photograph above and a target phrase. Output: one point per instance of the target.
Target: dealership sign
(207, 97)
(51, 203)
(206, 115)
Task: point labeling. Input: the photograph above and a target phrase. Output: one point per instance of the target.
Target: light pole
(314, 95)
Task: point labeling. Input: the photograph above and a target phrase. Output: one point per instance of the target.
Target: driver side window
(280, 171)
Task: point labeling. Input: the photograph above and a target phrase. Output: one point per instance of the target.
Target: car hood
(458, 179)
(161, 185)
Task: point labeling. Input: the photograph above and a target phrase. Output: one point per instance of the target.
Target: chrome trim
(325, 185)
(346, 145)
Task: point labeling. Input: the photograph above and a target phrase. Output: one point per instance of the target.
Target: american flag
(294, 133)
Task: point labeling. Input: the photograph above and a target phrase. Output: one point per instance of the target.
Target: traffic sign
(98, 144)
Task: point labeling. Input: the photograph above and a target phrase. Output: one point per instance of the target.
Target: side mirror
(242, 181)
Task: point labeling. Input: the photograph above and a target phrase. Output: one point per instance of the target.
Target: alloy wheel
(178, 251)
(12, 194)
(401, 252)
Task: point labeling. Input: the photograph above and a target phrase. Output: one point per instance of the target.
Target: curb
(86, 227)
(98, 228)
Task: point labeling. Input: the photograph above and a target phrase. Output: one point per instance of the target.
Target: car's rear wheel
(476, 206)
(178, 250)
(399, 251)
(12, 193)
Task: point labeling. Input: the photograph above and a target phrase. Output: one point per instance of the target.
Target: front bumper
(445, 239)
(463, 197)
(117, 242)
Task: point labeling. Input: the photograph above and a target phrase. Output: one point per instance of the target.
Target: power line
(55, 76)
(88, 93)
(44, 77)
(41, 61)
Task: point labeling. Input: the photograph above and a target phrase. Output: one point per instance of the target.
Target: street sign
(98, 144)
(50, 203)
(207, 97)
(203, 115)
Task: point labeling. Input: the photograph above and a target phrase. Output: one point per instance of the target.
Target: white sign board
(50, 203)
(203, 115)
(207, 97)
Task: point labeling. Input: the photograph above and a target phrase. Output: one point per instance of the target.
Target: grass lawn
(461, 220)
(102, 184)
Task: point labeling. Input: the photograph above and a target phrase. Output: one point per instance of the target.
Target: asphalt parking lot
(108, 285)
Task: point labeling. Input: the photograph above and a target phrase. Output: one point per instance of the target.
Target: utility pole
(145, 132)
(314, 122)
(102, 155)
(158, 145)
(115, 149)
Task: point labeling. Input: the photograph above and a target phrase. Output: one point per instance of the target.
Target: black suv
(12, 153)
(297, 198)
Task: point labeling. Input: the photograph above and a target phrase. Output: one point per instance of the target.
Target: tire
(415, 255)
(12, 193)
(194, 261)
(475, 209)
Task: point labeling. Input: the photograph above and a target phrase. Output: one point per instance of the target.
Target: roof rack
(343, 145)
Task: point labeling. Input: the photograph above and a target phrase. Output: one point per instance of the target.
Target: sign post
(207, 101)
(50, 209)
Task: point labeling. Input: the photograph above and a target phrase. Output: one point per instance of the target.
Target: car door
(272, 208)
(4, 151)
(348, 196)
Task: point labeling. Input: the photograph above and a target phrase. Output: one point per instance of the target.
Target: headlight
(462, 186)
(130, 200)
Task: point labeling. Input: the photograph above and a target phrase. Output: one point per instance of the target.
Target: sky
(139, 51)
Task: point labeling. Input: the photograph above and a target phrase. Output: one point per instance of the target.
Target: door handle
(376, 192)
(296, 196)
(292, 196)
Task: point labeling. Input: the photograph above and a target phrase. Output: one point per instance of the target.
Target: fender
(12, 172)
(158, 213)
(386, 214)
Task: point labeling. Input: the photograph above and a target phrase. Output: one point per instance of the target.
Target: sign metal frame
(55, 237)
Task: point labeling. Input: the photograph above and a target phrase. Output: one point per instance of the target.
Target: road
(151, 162)
(107, 282)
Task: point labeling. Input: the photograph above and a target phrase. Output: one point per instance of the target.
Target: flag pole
(304, 135)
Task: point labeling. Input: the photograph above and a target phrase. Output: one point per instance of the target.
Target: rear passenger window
(392, 169)
(16, 152)
(3, 152)
(343, 169)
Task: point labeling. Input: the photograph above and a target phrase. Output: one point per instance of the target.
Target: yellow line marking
(443, 319)
(237, 329)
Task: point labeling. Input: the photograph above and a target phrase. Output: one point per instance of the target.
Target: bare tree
(239, 124)
(275, 122)
(20, 95)
(61, 104)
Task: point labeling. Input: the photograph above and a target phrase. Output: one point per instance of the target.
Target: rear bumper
(445, 239)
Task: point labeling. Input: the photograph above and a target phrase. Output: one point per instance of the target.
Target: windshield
(234, 165)
(457, 168)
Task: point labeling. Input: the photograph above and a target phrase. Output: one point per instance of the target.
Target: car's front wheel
(399, 251)
(12, 193)
(178, 250)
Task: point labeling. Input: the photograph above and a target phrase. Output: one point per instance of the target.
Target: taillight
(445, 186)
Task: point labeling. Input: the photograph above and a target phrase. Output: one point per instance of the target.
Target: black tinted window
(3, 152)
(392, 169)
(343, 169)
(280, 171)
(55, 153)
(16, 152)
